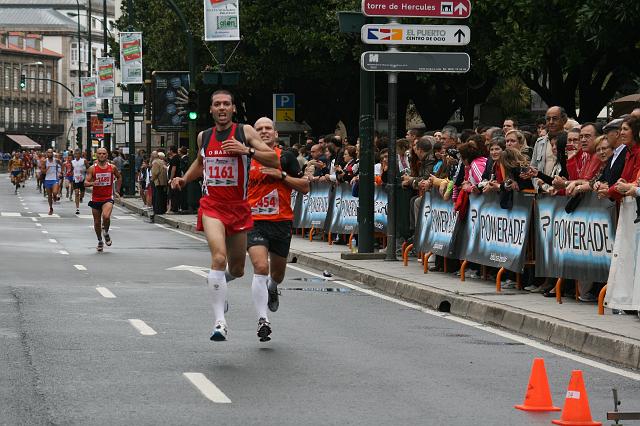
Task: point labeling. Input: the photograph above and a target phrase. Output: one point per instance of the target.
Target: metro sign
(450, 9)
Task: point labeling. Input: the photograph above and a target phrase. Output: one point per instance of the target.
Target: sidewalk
(571, 325)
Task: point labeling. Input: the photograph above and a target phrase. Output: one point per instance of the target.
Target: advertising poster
(171, 96)
(444, 227)
(221, 20)
(576, 245)
(106, 80)
(79, 116)
(345, 211)
(89, 99)
(131, 57)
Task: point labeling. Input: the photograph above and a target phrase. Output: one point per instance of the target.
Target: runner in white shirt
(80, 166)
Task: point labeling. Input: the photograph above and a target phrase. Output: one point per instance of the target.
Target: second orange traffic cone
(538, 396)
(576, 411)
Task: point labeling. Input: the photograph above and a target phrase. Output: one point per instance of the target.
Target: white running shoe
(264, 330)
(219, 332)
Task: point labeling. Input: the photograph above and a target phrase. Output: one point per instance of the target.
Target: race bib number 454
(221, 171)
(269, 204)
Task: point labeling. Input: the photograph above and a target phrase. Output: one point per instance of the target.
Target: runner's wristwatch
(284, 175)
(251, 152)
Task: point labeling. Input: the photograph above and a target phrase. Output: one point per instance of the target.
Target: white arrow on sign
(461, 9)
(426, 35)
(198, 270)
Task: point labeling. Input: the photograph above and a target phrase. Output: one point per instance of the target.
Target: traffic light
(192, 105)
(23, 81)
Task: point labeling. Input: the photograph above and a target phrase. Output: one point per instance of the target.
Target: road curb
(575, 337)
(585, 340)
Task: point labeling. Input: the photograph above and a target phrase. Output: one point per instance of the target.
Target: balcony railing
(33, 128)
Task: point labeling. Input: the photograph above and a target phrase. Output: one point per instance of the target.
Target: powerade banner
(380, 201)
(423, 224)
(444, 227)
(494, 236)
(316, 205)
(344, 219)
(575, 245)
(296, 207)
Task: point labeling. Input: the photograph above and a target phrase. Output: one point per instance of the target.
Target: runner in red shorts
(224, 156)
(101, 177)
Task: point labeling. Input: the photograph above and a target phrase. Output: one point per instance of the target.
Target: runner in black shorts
(270, 200)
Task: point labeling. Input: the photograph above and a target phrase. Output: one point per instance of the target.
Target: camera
(452, 152)
(508, 183)
(482, 184)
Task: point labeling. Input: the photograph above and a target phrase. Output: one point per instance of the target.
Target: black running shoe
(274, 296)
(100, 246)
(107, 239)
(264, 330)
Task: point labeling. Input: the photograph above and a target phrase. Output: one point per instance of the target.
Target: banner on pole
(89, 99)
(131, 57)
(106, 80)
(494, 236)
(221, 20)
(79, 117)
(575, 245)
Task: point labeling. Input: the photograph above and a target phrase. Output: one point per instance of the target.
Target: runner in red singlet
(224, 156)
(101, 176)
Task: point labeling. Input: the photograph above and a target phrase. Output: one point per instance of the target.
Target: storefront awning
(24, 141)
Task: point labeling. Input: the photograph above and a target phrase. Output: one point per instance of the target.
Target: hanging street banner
(170, 99)
(106, 80)
(221, 20)
(89, 94)
(456, 9)
(575, 245)
(425, 35)
(432, 62)
(79, 117)
(131, 57)
(494, 236)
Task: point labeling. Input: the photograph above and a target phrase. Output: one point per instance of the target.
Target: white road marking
(195, 269)
(159, 225)
(505, 334)
(105, 292)
(207, 388)
(26, 208)
(24, 204)
(63, 252)
(80, 267)
(49, 215)
(35, 219)
(124, 217)
(85, 216)
(142, 327)
(10, 214)
(38, 224)
(52, 240)
(45, 232)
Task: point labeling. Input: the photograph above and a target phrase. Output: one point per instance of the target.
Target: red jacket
(630, 171)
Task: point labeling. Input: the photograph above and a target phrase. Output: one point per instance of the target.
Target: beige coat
(159, 173)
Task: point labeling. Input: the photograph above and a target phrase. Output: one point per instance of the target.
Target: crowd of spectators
(557, 156)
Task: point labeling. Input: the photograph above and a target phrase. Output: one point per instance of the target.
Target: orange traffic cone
(576, 411)
(538, 396)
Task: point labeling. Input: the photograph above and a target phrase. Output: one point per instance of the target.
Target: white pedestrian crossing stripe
(10, 214)
(48, 215)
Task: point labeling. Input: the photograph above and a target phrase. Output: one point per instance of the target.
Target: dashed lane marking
(49, 215)
(142, 327)
(159, 225)
(505, 334)
(10, 214)
(39, 225)
(105, 292)
(207, 388)
(52, 240)
(45, 232)
(80, 267)
(63, 252)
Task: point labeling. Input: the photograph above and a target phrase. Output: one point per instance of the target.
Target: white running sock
(260, 295)
(218, 289)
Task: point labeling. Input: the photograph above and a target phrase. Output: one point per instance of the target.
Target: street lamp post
(89, 53)
(79, 130)
(105, 102)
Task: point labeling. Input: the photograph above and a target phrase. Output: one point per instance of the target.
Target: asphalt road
(71, 356)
